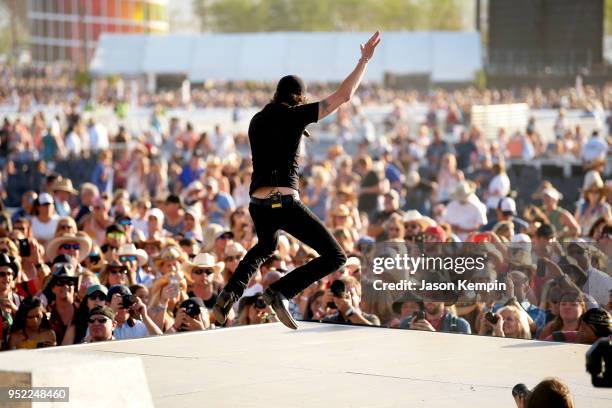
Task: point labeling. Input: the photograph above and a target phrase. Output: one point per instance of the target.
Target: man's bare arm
(347, 88)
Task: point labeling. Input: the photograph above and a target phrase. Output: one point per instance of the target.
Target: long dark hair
(290, 99)
(308, 313)
(29, 303)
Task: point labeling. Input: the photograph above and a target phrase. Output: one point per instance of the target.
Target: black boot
(280, 304)
(222, 307)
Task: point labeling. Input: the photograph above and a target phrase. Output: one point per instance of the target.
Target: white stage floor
(323, 365)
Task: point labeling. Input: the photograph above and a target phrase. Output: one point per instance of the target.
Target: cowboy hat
(9, 261)
(62, 270)
(346, 190)
(130, 249)
(64, 184)
(210, 235)
(204, 260)
(341, 211)
(83, 240)
(416, 216)
(169, 253)
(592, 181)
(234, 249)
(463, 190)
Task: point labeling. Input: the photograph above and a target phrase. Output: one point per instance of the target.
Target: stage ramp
(325, 365)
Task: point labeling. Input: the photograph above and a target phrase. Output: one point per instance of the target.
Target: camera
(24, 248)
(338, 289)
(491, 317)
(259, 303)
(520, 389)
(192, 309)
(128, 300)
(418, 315)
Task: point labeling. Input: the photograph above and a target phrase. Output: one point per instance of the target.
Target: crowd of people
(146, 244)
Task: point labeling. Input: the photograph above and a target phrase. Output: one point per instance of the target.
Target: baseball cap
(102, 310)
(45, 198)
(115, 228)
(121, 289)
(96, 288)
(507, 205)
(225, 234)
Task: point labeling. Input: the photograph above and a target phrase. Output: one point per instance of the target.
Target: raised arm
(347, 88)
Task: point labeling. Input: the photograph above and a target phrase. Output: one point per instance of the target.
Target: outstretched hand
(367, 49)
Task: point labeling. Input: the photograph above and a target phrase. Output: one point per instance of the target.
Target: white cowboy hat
(83, 240)
(463, 190)
(130, 249)
(204, 260)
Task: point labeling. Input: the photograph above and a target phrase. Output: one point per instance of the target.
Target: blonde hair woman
(65, 226)
(511, 322)
(167, 293)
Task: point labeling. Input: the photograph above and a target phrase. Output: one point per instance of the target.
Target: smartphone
(418, 315)
(24, 248)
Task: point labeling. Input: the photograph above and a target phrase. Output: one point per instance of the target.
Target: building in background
(68, 30)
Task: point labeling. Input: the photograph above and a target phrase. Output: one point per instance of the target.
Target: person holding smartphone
(130, 314)
(275, 134)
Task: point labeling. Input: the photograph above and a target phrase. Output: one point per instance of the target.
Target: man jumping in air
(274, 134)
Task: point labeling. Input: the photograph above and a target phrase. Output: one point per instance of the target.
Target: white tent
(444, 56)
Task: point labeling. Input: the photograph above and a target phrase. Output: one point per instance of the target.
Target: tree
(329, 15)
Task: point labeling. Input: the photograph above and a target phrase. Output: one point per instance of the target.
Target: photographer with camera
(192, 315)
(130, 314)
(253, 310)
(549, 393)
(342, 303)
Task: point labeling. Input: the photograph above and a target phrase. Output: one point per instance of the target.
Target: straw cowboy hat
(130, 249)
(463, 190)
(592, 181)
(346, 190)
(171, 252)
(83, 240)
(64, 184)
(204, 260)
(341, 211)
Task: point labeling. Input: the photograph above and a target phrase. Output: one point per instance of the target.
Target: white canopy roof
(445, 56)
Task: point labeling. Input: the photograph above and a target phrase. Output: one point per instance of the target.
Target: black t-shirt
(274, 134)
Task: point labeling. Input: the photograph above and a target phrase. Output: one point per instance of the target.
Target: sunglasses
(117, 271)
(18, 228)
(65, 226)
(128, 258)
(200, 271)
(232, 258)
(64, 282)
(5, 274)
(125, 222)
(45, 204)
(69, 247)
(97, 296)
(101, 320)
(115, 235)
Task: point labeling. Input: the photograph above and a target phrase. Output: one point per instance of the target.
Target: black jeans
(296, 219)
